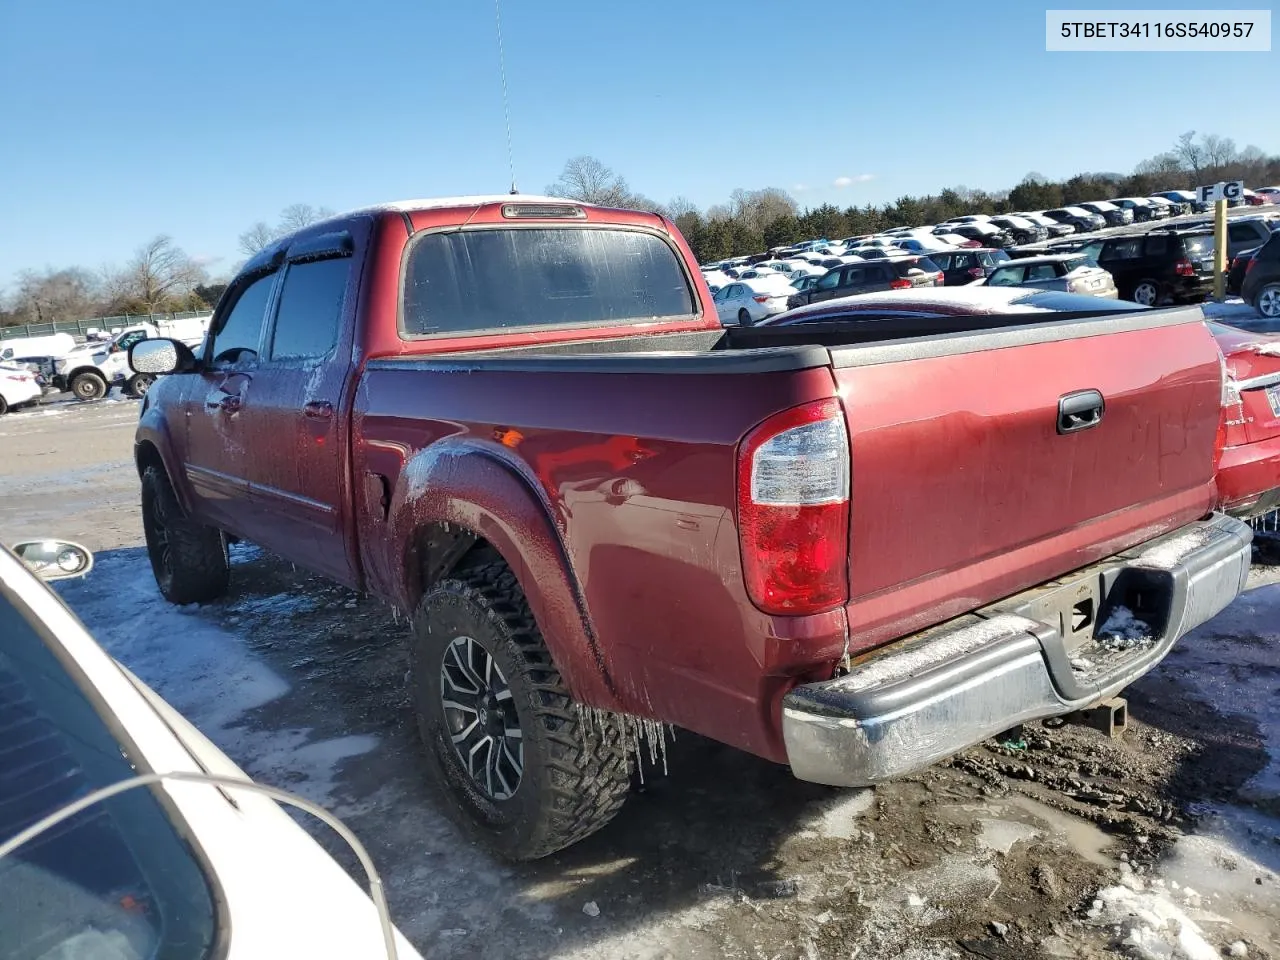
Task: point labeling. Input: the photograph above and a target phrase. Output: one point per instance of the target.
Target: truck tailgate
(973, 478)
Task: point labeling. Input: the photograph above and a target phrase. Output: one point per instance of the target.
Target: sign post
(1219, 193)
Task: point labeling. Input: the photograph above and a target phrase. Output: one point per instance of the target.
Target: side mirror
(54, 559)
(161, 356)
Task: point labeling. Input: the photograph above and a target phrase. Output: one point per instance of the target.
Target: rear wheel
(1267, 302)
(520, 765)
(4, 406)
(189, 559)
(88, 386)
(744, 318)
(1146, 292)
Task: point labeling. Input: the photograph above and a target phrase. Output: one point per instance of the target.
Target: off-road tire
(88, 386)
(138, 385)
(189, 559)
(576, 770)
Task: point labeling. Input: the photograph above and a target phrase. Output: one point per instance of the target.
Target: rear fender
(484, 490)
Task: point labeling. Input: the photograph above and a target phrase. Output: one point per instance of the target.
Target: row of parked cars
(1157, 262)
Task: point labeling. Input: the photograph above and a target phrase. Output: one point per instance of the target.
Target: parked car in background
(899, 273)
(876, 252)
(960, 267)
(1054, 228)
(745, 302)
(1236, 270)
(1249, 462)
(927, 246)
(1115, 216)
(1244, 233)
(1252, 198)
(1187, 197)
(1164, 266)
(1143, 209)
(1082, 220)
(1020, 229)
(980, 232)
(94, 367)
(1261, 284)
(1269, 194)
(18, 388)
(805, 283)
(1069, 273)
(955, 240)
(969, 218)
(1171, 208)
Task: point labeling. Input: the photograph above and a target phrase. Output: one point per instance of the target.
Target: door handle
(318, 410)
(1080, 411)
(227, 404)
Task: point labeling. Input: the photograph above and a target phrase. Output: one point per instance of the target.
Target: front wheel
(1147, 293)
(1267, 302)
(520, 764)
(744, 318)
(138, 385)
(89, 386)
(4, 406)
(189, 559)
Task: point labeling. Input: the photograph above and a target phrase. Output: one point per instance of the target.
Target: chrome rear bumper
(1030, 656)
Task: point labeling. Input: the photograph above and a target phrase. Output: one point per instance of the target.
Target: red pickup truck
(852, 553)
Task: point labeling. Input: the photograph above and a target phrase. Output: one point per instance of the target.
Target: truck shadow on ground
(724, 837)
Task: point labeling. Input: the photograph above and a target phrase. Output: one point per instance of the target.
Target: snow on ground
(1220, 885)
(205, 672)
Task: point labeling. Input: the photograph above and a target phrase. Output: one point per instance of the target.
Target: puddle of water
(1081, 835)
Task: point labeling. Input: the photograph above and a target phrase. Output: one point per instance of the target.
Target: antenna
(506, 103)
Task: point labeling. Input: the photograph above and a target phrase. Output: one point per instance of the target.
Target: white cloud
(799, 188)
(841, 182)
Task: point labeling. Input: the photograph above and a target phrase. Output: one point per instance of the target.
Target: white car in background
(18, 387)
(179, 869)
(745, 302)
(716, 279)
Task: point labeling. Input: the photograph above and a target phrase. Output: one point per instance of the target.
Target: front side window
(1006, 277)
(310, 309)
(239, 332)
(829, 281)
(116, 880)
(506, 278)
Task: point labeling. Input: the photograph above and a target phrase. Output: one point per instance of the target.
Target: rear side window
(928, 265)
(478, 280)
(240, 331)
(943, 260)
(1157, 246)
(1006, 276)
(310, 308)
(1122, 250)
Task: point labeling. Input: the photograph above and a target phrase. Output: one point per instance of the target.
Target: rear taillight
(1249, 266)
(939, 277)
(793, 510)
(1184, 268)
(760, 299)
(902, 283)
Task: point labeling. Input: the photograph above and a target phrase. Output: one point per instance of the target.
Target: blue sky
(124, 120)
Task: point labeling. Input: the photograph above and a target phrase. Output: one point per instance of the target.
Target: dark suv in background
(899, 273)
(1261, 284)
(1083, 220)
(968, 264)
(1165, 266)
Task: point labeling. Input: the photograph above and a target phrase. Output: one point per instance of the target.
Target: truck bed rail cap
(973, 341)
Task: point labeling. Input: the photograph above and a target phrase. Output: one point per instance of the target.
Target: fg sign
(1229, 190)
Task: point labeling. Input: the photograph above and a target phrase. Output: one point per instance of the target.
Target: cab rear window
(485, 280)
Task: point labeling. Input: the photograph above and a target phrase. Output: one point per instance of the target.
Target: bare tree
(1218, 151)
(159, 273)
(587, 179)
(299, 215)
(46, 295)
(256, 238)
(1190, 153)
(680, 206)
(756, 209)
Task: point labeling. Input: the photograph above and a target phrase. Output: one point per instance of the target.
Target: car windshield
(115, 880)
(1075, 263)
(493, 279)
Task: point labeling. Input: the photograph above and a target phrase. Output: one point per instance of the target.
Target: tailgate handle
(1080, 411)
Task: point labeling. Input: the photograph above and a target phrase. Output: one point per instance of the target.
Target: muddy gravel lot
(1058, 842)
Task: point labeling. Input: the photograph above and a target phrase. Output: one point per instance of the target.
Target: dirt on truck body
(857, 555)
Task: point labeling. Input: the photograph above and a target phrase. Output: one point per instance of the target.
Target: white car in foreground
(745, 302)
(178, 869)
(18, 387)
